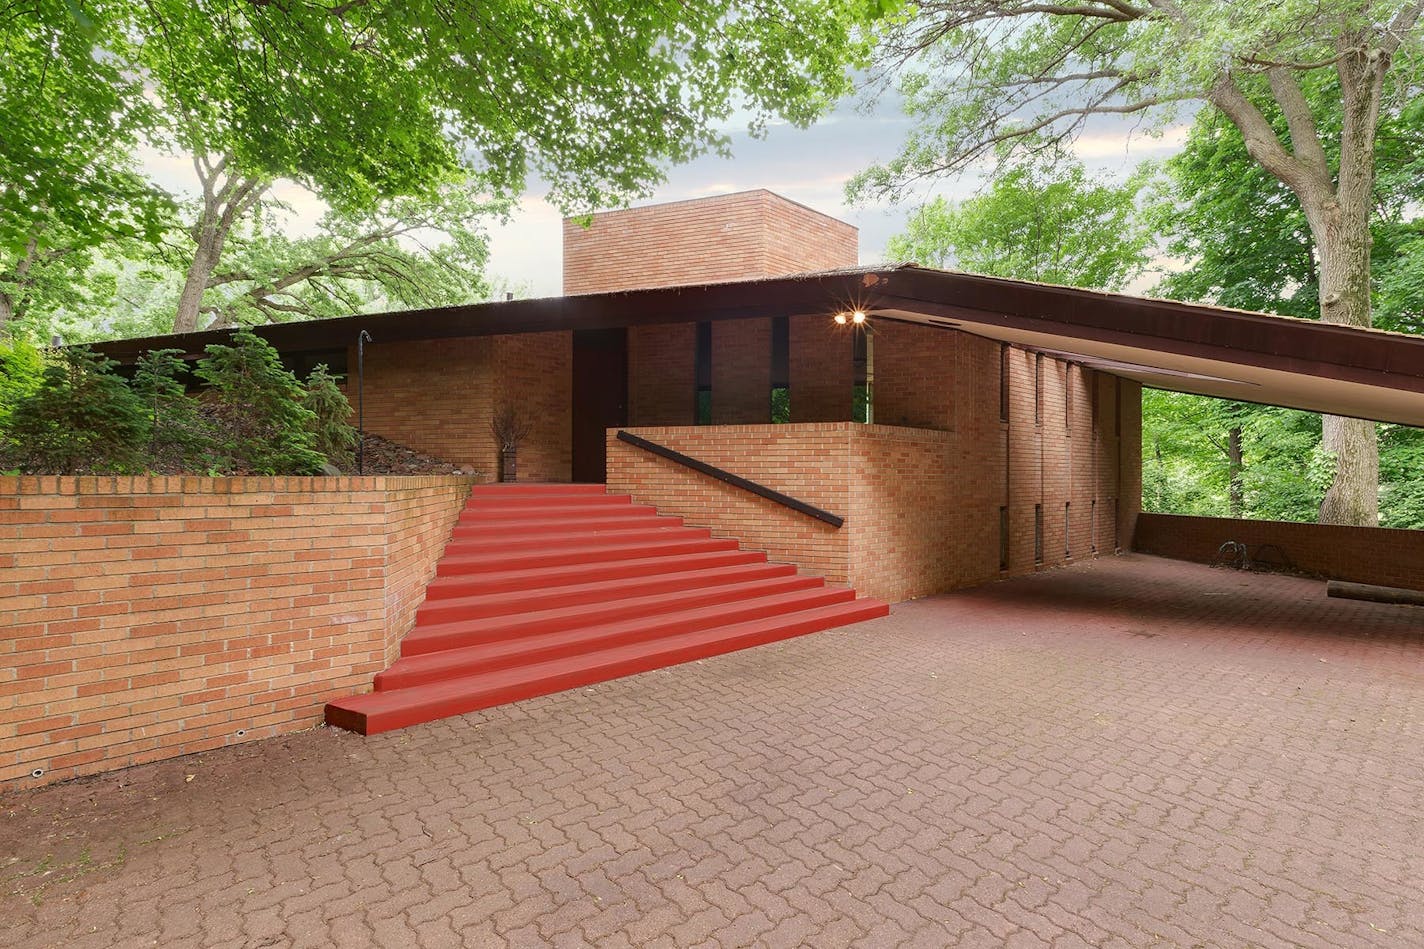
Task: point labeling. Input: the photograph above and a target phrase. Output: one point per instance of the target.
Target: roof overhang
(1250, 357)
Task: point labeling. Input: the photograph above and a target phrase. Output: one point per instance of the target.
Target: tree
(1247, 244)
(370, 100)
(71, 113)
(1017, 77)
(1031, 226)
(331, 417)
(180, 438)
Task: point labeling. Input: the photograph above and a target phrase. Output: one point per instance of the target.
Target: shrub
(331, 426)
(80, 418)
(180, 438)
(260, 424)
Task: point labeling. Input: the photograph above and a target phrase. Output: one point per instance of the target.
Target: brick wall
(146, 618)
(728, 237)
(437, 396)
(806, 461)
(433, 396)
(741, 372)
(1360, 554)
(535, 372)
(921, 505)
(912, 386)
(662, 374)
(821, 370)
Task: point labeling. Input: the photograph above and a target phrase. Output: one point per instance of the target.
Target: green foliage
(1247, 245)
(1244, 233)
(1004, 82)
(780, 405)
(72, 111)
(21, 366)
(180, 438)
(1186, 462)
(370, 100)
(81, 418)
(366, 105)
(331, 417)
(1050, 224)
(1401, 477)
(261, 426)
(72, 414)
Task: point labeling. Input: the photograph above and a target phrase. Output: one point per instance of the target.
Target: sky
(810, 165)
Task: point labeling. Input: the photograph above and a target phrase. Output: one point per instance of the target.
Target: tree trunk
(1234, 466)
(1340, 225)
(227, 197)
(205, 257)
(7, 310)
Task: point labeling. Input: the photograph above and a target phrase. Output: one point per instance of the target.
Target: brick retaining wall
(146, 618)
(1360, 554)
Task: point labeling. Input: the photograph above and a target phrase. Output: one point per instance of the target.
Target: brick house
(969, 428)
(755, 401)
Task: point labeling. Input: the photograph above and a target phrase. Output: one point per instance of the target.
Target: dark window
(1038, 389)
(863, 393)
(1093, 527)
(780, 370)
(1003, 538)
(702, 399)
(1068, 529)
(302, 363)
(1038, 533)
(1004, 382)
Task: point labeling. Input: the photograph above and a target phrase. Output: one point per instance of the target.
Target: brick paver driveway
(1127, 753)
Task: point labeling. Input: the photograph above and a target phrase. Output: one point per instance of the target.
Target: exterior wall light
(858, 317)
(841, 319)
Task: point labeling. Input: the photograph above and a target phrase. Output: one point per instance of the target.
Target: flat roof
(1234, 354)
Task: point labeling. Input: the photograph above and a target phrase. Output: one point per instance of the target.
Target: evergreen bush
(331, 427)
(180, 438)
(81, 418)
(255, 405)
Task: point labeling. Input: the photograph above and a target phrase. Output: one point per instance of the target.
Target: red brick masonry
(1361, 554)
(146, 618)
(921, 506)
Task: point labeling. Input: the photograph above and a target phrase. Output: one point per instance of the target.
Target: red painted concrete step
(458, 631)
(454, 608)
(538, 579)
(377, 712)
(535, 526)
(514, 650)
(467, 544)
(571, 554)
(548, 587)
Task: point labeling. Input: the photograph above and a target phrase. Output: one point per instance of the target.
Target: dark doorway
(600, 397)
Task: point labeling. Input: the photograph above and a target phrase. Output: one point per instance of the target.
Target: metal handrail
(737, 481)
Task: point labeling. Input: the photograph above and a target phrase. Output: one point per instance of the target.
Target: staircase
(550, 587)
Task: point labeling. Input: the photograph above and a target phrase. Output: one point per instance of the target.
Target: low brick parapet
(149, 617)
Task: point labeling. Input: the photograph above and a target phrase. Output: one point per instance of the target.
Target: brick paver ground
(1133, 752)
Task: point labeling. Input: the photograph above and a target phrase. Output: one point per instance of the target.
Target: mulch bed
(385, 457)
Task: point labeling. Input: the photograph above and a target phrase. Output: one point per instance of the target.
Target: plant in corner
(509, 428)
